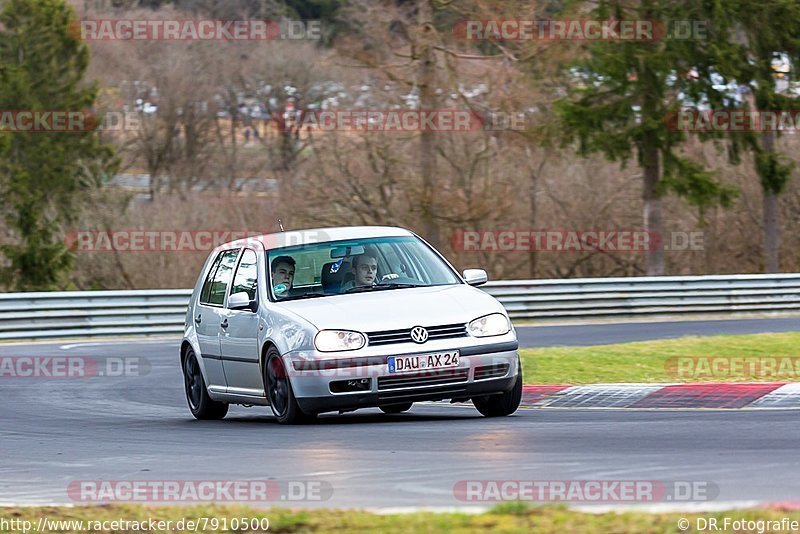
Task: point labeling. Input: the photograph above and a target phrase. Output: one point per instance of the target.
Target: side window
(223, 275)
(246, 278)
(204, 294)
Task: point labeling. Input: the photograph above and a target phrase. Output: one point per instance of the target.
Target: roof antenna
(280, 224)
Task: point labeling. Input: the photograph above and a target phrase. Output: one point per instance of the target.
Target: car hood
(396, 308)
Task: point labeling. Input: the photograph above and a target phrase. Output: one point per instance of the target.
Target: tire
(201, 405)
(504, 403)
(397, 408)
(279, 392)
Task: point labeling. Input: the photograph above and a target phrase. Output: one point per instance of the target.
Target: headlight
(495, 324)
(336, 340)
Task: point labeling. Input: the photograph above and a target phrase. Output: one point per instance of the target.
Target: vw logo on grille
(419, 334)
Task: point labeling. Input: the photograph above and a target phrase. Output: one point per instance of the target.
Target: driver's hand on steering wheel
(390, 276)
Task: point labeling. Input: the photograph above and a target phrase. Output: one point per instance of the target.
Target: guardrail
(649, 296)
(81, 314)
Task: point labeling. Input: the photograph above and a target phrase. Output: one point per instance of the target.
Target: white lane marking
(658, 508)
(366, 472)
(421, 489)
(35, 505)
(397, 510)
(786, 396)
(90, 340)
(126, 342)
(691, 318)
(619, 395)
(663, 508)
(591, 509)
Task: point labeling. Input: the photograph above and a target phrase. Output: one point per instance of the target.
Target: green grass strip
(512, 517)
(741, 358)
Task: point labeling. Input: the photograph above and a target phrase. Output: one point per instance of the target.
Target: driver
(365, 271)
(282, 270)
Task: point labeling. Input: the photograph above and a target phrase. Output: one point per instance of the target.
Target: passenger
(282, 270)
(365, 271)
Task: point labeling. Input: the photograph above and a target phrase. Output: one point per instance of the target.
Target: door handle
(198, 319)
(224, 324)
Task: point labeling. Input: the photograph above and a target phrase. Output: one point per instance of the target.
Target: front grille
(491, 371)
(433, 378)
(388, 337)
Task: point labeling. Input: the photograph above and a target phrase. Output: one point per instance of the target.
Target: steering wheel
(393, 278)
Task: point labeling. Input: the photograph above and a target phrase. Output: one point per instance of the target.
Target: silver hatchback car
(338, 319)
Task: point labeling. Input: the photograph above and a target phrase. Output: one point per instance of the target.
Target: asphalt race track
(57, 431)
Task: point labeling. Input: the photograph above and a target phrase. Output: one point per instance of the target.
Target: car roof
(318, 235)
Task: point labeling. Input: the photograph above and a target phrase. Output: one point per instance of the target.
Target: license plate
(423, 362)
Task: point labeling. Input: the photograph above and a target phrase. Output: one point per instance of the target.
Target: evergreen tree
(621, 107)
(44, 176)
(753, 34)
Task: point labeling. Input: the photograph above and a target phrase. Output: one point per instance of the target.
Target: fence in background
(81, 314)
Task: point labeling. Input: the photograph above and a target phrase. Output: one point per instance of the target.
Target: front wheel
(504, 403)
(279, 392)
(201, 404)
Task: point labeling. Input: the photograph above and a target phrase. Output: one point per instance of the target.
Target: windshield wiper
(305, 296)
(379, 287)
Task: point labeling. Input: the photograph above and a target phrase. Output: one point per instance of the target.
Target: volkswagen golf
(338, 319)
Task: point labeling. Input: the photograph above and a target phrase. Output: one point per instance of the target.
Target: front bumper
(482, 370)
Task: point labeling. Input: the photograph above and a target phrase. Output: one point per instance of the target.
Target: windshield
(355, 266)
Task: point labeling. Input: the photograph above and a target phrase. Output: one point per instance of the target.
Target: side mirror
(241, 301)
(475, 277)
